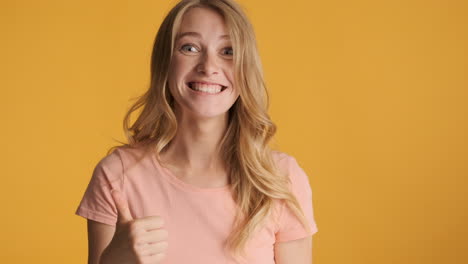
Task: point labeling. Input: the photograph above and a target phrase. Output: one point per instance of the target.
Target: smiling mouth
(206, 88)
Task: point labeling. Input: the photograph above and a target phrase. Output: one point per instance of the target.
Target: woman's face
(201, 73)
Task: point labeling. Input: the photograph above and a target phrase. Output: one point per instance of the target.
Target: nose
(208, 64)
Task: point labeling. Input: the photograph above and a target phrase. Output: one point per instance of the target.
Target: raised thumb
(123, 212)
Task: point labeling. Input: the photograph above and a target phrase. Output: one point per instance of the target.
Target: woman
(197, 182)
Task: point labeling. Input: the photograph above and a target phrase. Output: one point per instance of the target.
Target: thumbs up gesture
(142, 240)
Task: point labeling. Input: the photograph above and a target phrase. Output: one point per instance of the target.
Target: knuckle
(163, 245)
(157, 220)
(160, 220)
(164, 233)
(149, 260)
(160, 256)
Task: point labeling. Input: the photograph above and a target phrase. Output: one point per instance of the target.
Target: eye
(189, 48)
(228, 51)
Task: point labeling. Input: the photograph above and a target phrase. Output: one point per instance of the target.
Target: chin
(208, 115)
(197, 111)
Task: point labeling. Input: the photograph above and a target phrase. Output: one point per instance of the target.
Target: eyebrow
(196, 35)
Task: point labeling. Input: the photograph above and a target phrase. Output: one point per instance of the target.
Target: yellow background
(369, 96)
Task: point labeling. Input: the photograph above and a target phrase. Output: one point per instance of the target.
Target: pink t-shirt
(198, 220)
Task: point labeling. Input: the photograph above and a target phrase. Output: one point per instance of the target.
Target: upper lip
(206, 82)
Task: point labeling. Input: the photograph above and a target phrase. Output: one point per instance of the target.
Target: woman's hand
(135, 241)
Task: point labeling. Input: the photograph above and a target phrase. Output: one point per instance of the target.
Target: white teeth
(207, 88)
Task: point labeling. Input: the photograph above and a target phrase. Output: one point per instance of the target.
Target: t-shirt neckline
(167, 174)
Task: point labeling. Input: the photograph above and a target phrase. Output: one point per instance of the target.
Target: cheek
(182, 64)
(234, 85)
(229, 73)
(176, 73)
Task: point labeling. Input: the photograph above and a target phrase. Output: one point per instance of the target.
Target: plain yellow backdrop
(369, 96)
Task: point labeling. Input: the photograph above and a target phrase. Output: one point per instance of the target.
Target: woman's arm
(99, 237)
(297, 251)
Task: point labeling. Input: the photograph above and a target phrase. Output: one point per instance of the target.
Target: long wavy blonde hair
(255, 180)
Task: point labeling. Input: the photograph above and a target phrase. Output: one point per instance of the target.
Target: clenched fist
(135, 241)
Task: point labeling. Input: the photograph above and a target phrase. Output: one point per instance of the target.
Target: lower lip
(205, 93)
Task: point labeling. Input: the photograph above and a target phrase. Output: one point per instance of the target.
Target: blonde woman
(197, 182)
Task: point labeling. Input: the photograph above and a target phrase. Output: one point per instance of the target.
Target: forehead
(202, 22)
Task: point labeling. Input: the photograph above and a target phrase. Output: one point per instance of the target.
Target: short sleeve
(289, 226)
(97, 203)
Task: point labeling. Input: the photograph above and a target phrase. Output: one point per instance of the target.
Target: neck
(196, 145)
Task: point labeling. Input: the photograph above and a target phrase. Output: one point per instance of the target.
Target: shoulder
(109, 168)
(282, 159)
(285, 162)
(125, 155)
(288, 165)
